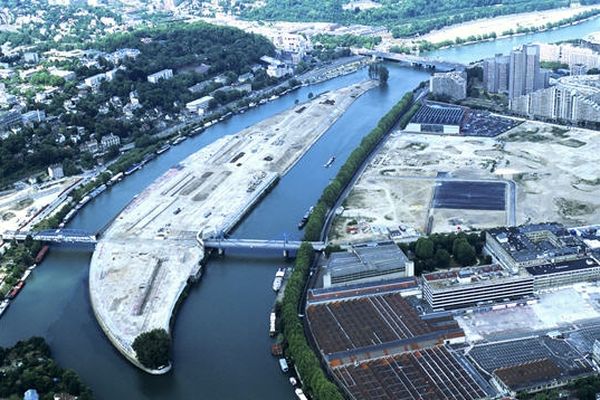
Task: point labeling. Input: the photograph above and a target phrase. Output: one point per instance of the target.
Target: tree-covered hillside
(28, 365)
(178, 45)
(403, 17)
(227, 51)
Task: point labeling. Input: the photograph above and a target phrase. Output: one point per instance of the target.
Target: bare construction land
(143, 262)
(554, 170)
(19, 206)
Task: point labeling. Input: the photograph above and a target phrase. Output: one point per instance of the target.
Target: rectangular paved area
(467, 195)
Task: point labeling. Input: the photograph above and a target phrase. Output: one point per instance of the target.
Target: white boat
(293, 381)
(300, 394)
(26, 274)
(179, 140)
(272, 319)
(283, 365)
(278, 279)
(3, 306)
(329, 162)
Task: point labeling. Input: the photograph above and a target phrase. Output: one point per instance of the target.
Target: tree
(384, 74)
(112, 152)
(424, 248)
(463, 252)
(379, 71)
(152, 348)
(28, 241)
(442, 258)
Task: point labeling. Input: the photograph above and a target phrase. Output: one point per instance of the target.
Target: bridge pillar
(221, 251)
(286, 253)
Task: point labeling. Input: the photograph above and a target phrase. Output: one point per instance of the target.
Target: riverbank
(503, 24)
(145, 258)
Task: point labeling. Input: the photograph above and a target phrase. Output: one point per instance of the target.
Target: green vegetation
(153, 348)
(17, 258)
(180, 45)
(403, 18)
(46, 30)
(29, 365)
(380, 72)
(333, 41)
(398, 113)
(554, 65)
(315, 381)
(228, 52)
(446, 250)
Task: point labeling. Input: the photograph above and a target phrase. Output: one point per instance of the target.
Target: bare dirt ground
(503, 23)
(555, 170)
(17, 207)
(555, 309)
(142, 263)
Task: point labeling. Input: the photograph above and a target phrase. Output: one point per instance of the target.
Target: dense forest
(179, 45)
(28, 365)
(402, 17)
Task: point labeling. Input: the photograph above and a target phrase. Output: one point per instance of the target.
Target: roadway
(411, 59)
(239, 244)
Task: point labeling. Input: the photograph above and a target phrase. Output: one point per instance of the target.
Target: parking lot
(482, 123)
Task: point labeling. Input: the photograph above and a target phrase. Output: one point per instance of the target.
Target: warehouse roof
(437, 113)
(523, 376)
(382, 257)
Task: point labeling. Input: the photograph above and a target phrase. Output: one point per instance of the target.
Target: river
(221, 346)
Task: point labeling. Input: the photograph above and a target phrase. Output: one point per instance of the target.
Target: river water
(221, 346)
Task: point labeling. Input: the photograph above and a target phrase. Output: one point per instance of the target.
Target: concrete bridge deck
(75, 236)
(411, 59)
(243, 244)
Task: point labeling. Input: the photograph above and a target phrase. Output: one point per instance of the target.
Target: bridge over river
(75, 237)
(412, 59)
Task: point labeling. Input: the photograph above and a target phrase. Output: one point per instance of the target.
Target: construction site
(18, 207)
(421, 183)
(146, 257)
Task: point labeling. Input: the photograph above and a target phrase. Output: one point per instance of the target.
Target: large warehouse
(367, 262)
(438, 118)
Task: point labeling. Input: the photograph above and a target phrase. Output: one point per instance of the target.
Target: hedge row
(355, 160)
(314, 379)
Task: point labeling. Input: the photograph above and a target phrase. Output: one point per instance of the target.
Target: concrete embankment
(145, 258)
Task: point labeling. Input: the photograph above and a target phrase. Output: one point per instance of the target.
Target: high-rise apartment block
(516, 74)
(524, 71)
(573, 98)
(495, 74)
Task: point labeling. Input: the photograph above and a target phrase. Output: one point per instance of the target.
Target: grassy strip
(314, 379)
